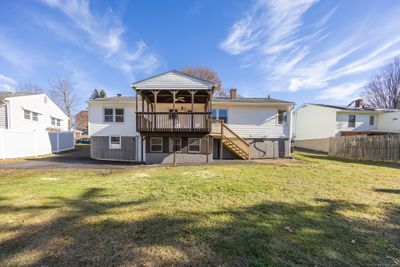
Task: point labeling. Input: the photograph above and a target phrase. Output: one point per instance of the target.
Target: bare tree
(62, 93)
(29, 87)
(383, 90)
(208, 75)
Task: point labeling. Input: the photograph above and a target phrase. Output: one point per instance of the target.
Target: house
(175, 119)
(316, 123)
(81, 120)
(31, 112)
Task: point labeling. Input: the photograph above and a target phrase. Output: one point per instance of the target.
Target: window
(108, 115)
(175, 144)
(194, 145)
(223, 115)
(58, 122)
(371, 120)
(214, 114)
(35, 116)
(115, 142)
(53, 121)
(119, 115)
(352, 121)
(27, 114)
(282, 117)
(220, 114)
(156, 144)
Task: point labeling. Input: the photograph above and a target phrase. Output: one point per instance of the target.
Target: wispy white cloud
(7, 83)
(105, 32)
(300, 52)
(342, 92)
(14, 53)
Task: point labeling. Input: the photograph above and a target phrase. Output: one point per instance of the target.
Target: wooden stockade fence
(375, 147)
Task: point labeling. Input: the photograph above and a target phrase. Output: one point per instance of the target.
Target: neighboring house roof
(4, 95)
(115, 99)
(345, 108)
(251, 100)
(172, 80)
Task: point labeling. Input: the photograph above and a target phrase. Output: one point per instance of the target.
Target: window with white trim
(119, 115)
(175, 144)
(115, 142)
(282, 117)
(194, 145)
(53, 121)
(35, 116)
(27, 114)
(156, 144)
(108, 115)
(58, 122)
(371, 120)
(220, 114)
(352, 121)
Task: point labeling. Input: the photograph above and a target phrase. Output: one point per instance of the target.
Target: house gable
(172, 80)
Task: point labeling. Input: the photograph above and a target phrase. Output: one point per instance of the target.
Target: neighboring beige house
(175, 119)
(315, 123)
(30, 112)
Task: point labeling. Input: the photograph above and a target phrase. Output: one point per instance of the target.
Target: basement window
(352, 121)
(115, 142)
(156, 144)
(194, 145)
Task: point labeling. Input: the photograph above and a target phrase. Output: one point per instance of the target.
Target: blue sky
(304, 51)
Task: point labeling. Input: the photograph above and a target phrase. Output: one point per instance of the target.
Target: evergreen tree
(95, 94)
(102, 94)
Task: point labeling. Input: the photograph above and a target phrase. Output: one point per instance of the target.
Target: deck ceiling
(182, 96)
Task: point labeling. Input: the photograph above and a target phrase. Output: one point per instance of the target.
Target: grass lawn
(309, 211)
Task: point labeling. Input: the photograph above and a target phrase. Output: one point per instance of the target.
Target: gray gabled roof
(4, 95)
(255, 100)
(115, 99)
(364, 109)
(172, 80)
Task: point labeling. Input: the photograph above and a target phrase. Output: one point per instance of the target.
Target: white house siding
(35, 103)
(314, 122)
(255, 121)
(389, 121)
(362, 122)
(98, 127)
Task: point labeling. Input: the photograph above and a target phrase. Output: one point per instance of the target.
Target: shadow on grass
(263, 234)
(367, 162)
(387, 190)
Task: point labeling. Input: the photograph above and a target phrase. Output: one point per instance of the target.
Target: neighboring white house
(30, 112)
(315, 123)
(184, 124)
(31, 125)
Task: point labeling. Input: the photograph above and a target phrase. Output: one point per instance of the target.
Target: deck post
(220, 148)
(173, 92)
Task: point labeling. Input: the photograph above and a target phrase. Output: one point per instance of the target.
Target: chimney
(359, 103)
(119, 95)
(233, 93)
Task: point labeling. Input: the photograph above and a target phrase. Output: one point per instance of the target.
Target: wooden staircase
(230, 140)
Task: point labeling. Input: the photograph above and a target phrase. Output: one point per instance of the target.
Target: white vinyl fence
(15, 144)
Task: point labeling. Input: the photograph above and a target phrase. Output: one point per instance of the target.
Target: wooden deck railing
(173, 121)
